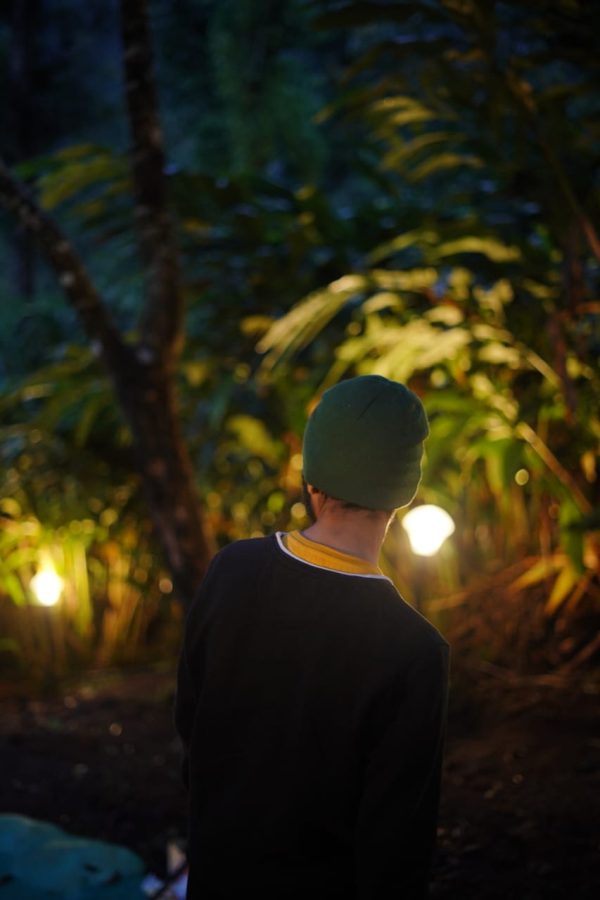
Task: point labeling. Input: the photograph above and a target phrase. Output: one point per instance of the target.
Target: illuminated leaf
(254, 437)
(441, 163)
(494, 249)
(568, 578)
(408, 280)
(398, 156)
(14, 588)
(396, 245)
(64, 182)
(307, 319)
(543, 569)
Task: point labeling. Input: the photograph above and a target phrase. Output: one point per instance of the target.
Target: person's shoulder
(241, 556)
(246, 549)
(404, 619)
(233, 569)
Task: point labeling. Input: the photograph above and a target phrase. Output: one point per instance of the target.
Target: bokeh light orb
(47, 586)
(427, 526)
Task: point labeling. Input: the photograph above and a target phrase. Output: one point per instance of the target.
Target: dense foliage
(409, 189)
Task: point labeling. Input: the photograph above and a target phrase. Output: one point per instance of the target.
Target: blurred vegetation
(407, 189)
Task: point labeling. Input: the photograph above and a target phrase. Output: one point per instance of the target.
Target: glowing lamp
(47, 587)
(427, 527)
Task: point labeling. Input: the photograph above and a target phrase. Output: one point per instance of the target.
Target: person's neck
(357, 535)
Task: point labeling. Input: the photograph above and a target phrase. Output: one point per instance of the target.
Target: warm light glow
(427, 527)
(47, 586)
(298, 510)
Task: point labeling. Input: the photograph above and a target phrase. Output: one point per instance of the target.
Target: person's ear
(317, 498)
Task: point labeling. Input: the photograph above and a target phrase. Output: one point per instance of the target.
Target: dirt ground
(520, 814)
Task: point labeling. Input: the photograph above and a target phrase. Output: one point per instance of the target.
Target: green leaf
(410, 117)
(543, 569)
(397, 156)
(442, 162)
(572, 537)
(21, 556)
(414, 347)
(493, 248)
(253, 436)
(402, 242)
(407, 280)
(500, 354)
(69, 179)
(296, 329)
(567, 579)
(79, 151)
(87, 416)
(13, 587)
(382, 300)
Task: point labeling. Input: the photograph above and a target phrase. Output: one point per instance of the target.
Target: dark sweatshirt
(311, 705)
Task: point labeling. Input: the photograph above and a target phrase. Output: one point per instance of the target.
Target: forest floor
(520, 815)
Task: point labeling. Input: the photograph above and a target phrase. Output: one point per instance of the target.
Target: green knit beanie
(364, 442)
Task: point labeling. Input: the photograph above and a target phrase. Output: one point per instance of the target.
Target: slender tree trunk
(148, 399)
(143, 375)
(161, 322)
(148, 394)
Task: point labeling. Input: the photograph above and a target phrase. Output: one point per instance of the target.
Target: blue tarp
(39, 861)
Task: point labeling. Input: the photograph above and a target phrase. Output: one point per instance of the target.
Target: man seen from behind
(311, 698)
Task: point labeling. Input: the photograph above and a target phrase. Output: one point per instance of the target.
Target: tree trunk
(147, 393)
(161, 322)
(143, 375)
(148, 399)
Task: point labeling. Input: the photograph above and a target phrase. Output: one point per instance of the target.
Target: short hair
(347, 504)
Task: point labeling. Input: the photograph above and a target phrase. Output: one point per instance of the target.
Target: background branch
(65, 261)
